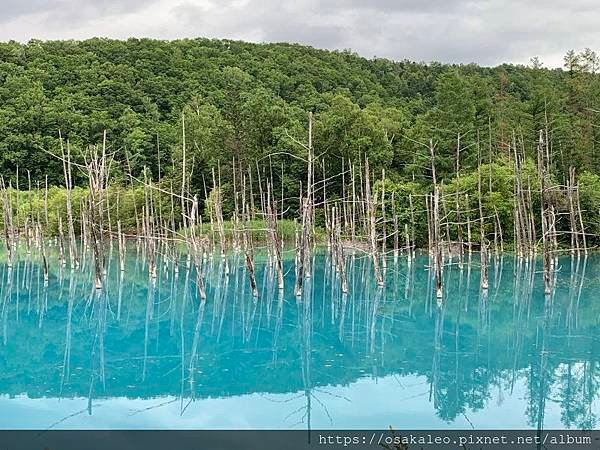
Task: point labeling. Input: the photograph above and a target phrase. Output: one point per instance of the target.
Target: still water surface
(152, 355)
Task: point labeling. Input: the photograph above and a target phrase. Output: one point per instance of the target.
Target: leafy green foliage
(240, 100)
(242, 108)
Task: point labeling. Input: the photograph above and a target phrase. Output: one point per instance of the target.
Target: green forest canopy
(250, 101)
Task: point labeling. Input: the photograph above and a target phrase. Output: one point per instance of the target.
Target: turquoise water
(144, 355)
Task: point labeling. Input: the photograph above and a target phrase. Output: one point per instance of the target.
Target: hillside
(249, 103)
(243, 95)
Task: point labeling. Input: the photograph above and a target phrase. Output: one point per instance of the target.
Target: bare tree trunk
(184, 219)
(30, 229)
(439, 259)
(340, 260)
(9, 232)
(304, 244)
(274, 235)
(372, 225)
(572, 214)
(384, 224)
(469, 232)
(354, 199)
(408, 248)
(98, 167)
(545, 217)
(61, 241)
(66, 159)
(249, 252)
(483, 239)
(457, 203)
(149, 226)
(121, 238)
(577, 210)
(412, 227)
(43, 253)
(196, 249)
(218, 207)
(428, 208)
(583, 235)
(396, 230)
(519, 217)
(500, 232)
(47, 221)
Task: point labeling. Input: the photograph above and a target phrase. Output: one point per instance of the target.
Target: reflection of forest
(140, 339)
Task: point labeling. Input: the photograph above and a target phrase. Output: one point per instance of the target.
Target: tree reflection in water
(141, 338)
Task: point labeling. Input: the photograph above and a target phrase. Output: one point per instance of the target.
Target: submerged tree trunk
(249, 252)
(304, 242)
(483, 239)
(66, 159)
(372, 225)
(9, 232)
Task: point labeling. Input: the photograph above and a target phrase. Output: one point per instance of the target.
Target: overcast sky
(487, 32)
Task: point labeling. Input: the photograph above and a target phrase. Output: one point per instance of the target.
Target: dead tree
(122, 246)
(307, 204)
(40, 237)
(338, 252)
(575, 246)
(582, 228)
(469, 231)
(524, 224)
(218, 212)
(547, 216)
(412, 248)
(61, 241)
(396, 230)
(9, 232)
(439, 259)
(249, 253)
(578, 236)
(353, 209)
(482, 238)
(184, 218)
(370, 206)
(149, 227)
(195, 248)
(275, 240)
(519, 218)
(29, 221)
(98, 169)
(457, 205)
(68, 174)
(436, 244)
(384, 224)
(500, 233)
(429, 224)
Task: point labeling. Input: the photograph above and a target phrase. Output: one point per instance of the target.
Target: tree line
(242, 106)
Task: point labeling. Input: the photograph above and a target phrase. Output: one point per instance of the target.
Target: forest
(243, 107)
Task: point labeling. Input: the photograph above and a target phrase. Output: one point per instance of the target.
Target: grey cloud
(394, 6)
(62, 11)
(11, 10)
(487, 32)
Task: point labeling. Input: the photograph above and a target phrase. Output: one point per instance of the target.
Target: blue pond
(152, 355)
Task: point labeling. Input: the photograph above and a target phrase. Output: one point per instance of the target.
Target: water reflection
(145, 338)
